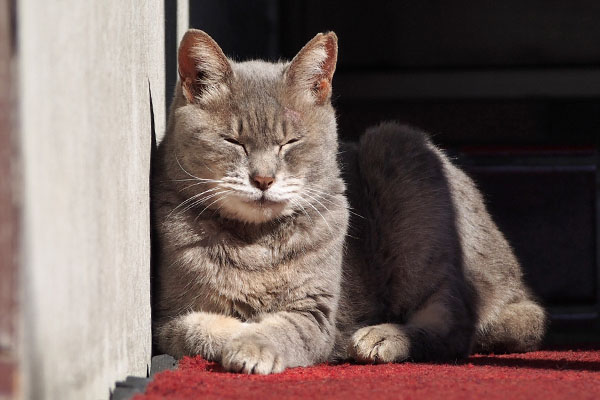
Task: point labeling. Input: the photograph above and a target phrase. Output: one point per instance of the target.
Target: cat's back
(398, 166)
(417, 207)
(395, 172)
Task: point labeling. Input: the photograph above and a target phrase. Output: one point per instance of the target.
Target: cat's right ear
(203, 68)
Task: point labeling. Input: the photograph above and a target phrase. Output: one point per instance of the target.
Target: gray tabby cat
(255, 269)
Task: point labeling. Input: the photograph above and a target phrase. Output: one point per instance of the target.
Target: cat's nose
(262, 182)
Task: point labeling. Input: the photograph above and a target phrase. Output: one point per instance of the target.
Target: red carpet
(548, 375)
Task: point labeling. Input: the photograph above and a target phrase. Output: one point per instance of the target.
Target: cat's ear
(311, 71)
(203, 68)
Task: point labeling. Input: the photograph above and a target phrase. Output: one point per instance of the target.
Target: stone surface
(9, 223)
(125, 390)
(162, 362)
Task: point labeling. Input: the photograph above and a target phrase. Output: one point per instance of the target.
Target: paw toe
(379, 344)
(251, 356)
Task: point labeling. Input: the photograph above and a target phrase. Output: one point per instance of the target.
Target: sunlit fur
(237, 267)
(258, 113)
(261, 281)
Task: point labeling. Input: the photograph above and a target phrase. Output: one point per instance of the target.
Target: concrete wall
(8, 212)
(91, 89)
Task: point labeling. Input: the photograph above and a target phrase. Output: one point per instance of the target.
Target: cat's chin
(253, 211)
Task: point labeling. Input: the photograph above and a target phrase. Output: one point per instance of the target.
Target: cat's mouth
(257, 209)
(264, 201)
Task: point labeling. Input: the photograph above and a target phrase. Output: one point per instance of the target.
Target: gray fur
(263, 285)
(428, 274)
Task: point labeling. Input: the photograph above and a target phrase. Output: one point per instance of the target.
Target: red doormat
(572, 374)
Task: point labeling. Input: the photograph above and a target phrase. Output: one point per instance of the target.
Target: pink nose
(262, 182)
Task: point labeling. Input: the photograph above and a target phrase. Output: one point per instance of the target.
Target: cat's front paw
(251, 354)
(380, 344)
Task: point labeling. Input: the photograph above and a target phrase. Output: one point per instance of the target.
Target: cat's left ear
(311, 71)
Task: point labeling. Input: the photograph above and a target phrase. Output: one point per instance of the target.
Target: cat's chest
(245, 280)
(232, 255)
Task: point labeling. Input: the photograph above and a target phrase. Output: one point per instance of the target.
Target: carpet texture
(548, 375)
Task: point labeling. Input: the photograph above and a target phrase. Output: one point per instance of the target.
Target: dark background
(511, 89)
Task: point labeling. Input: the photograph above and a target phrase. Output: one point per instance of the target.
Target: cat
(279, 247)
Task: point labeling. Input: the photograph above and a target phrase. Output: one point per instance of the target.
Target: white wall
(86, 70)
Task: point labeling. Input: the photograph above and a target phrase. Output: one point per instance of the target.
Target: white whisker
(190, 199)
(317, 192)
(221, 206)
(319, 212)
(302, 208)
(183, 169)
(205, 208)
(202, 200)
(198, 183)
(194, 179)
(317, 200)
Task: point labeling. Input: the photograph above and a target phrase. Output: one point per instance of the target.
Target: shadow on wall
(153, 149)
(170, 53)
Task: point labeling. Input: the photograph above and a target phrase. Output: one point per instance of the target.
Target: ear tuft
(203, 68)
(311, 71)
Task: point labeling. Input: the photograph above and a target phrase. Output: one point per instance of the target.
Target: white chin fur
(235, 208)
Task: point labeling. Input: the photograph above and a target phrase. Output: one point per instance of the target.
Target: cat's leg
(197, 333)
(280, 340)
(518, 328)
(439, 330)
(269, 344)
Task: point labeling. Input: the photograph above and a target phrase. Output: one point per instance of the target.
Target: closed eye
(291, 141)
(235, 142)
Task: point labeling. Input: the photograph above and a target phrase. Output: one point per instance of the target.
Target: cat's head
(255, 140)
